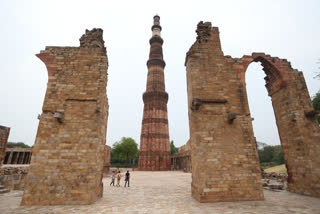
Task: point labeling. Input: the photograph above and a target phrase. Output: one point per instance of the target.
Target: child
(113, 177)
(118, 178)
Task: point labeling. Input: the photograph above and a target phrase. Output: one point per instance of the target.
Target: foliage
(316, 103)
(18, 144)
(270, 155)
(173, 148)
(125, 151)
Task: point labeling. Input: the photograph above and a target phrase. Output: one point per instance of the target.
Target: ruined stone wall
(107, 160)
(13, 177)
(182, 159)
(4, 135)
(68, 154)
(297, 125)
(224, 156)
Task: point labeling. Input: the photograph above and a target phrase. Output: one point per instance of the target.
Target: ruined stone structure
(13, 177)
(154, 141)
(182, 159)
(18, 156)
(225, 163)
(106, 160)
(4, 135)
(68, 154)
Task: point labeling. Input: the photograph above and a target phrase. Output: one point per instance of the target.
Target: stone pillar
(29, 158)
(225, 165)
(15, 157)
(154, 142)
(26, 158)
(22, 158)
(4, 135)
(10, 158)
(67, 163)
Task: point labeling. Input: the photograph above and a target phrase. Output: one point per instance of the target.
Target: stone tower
(68, 155)
(154, 141)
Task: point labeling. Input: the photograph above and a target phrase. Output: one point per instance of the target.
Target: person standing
(113, 177)
(127, 178)
(118, 178)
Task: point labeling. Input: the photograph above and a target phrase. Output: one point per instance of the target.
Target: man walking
(127, 179)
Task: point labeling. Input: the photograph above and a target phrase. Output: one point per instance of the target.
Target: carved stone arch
(275, 69)
(293, 112)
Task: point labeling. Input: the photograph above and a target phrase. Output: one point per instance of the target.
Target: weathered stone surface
(107, 158)
(166, 192)
(223, 150)
(154, 142)
(182, 159)
(68, 154)
(13, 177)
(4, 135)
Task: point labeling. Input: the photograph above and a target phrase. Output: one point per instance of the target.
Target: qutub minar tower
(154, 141)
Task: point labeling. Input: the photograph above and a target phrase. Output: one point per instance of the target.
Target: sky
(284, 28)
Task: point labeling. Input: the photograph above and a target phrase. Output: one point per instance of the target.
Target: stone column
(22, 158)
(225, 165)
(72, 129)
(10, 158)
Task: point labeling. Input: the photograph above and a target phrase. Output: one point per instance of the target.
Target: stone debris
(13, 177)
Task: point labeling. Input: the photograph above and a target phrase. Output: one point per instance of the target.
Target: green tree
(125, 150)
(277, 155)
(18, 144)
(266, 154)
(173, 148)
(271, 154)
(316, 104)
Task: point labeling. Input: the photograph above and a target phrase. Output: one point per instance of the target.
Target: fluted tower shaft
(154, 141)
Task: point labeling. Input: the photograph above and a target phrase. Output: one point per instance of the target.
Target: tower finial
(156, 28)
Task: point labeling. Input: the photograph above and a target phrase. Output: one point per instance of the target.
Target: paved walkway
(167, 192)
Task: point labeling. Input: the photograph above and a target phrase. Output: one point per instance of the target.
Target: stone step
(4, 191)
(2, 187)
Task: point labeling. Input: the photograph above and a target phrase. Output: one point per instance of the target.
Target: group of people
(118, 176)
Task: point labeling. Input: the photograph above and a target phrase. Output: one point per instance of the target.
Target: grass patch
(278, 169)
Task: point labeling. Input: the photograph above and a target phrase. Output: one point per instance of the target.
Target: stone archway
(224, 157)
(298, 129)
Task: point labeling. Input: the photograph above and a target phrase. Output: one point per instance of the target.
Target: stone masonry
(68, 154)
(154, 142)
(182, 159)
(18, 155)
(224, 157)
(106, 160)
(4, 135)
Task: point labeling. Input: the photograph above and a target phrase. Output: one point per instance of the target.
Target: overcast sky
(284, 28)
